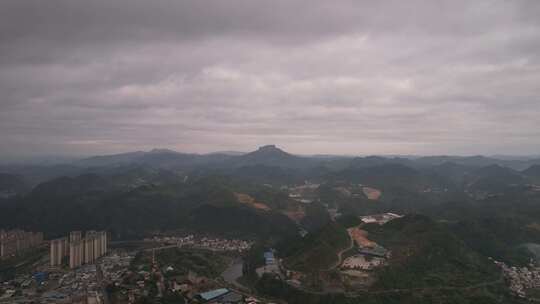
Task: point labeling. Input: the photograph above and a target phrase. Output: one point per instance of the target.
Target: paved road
(340, 254)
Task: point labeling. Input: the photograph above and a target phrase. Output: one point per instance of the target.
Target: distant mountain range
(268, 155)
(155, 158)
(271, 165)
(271, 155)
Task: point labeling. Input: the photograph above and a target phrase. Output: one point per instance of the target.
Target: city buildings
(79, 250)
(76, 253)
(13, 242)
(75, 236)
(59, 250)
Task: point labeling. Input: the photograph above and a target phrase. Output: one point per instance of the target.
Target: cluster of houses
(362, 262)
(369, 254)
(208, 243)
(520, 278)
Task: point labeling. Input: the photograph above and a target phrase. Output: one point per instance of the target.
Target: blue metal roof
(212, 294)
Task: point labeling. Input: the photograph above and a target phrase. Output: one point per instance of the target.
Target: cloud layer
(346, 77)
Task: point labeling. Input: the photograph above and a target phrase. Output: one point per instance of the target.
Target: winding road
(340, 254)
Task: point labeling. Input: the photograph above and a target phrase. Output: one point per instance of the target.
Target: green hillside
(426, 254)
(317, 251)
(500, 238)
(429, 264)
(90, 202)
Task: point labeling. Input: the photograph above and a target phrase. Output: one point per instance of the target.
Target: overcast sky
(343, 77)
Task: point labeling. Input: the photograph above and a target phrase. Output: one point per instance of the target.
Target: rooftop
(212, 294)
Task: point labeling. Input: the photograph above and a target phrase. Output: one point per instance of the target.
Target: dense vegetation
(90, 202)
(317, 251)
(499, 238)
(426, 254)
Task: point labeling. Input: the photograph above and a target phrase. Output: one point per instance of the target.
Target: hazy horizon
(64, 158)
(314, 77)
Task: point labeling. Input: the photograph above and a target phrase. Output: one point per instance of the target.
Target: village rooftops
(213, 294)
(379, 218)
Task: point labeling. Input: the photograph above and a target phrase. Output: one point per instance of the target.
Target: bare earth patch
(249, 200)
(372, 193)
(360, 237)
(296, 215)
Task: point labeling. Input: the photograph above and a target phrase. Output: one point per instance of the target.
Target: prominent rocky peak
(270, 150)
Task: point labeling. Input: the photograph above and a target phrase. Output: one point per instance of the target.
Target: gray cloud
(351, 77)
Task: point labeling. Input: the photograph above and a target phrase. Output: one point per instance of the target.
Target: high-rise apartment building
(104, 242)
(80, 250)
(76, 254)
(59, 249)
(88, 249)
(75, 236)
(13, 242)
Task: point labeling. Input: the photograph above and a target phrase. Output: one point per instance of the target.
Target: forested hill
(91, 202)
